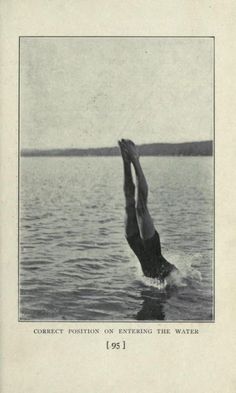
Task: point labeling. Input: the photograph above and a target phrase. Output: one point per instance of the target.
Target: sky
(90, 92)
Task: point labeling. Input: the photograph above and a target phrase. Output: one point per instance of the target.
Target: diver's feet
(130, 148)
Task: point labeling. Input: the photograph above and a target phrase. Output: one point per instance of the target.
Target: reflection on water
(75, 263)
(153, 305)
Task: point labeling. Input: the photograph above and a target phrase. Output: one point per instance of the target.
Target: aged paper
(58, 361)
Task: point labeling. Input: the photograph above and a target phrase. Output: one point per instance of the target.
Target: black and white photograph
(116, 178)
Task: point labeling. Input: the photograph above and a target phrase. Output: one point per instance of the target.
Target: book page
(88, 301)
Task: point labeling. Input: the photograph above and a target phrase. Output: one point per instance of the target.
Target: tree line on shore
(203, 148)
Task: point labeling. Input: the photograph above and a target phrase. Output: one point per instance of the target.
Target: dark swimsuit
(149, 254)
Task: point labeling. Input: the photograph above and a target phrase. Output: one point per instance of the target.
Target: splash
(154, 282)
(185, 275)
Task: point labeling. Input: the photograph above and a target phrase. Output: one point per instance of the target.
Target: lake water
(75, 263)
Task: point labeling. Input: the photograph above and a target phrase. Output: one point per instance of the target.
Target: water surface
(75, 263)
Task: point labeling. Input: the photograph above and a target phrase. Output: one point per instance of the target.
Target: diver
(141, 234)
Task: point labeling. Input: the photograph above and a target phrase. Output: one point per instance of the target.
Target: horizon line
(113, 146)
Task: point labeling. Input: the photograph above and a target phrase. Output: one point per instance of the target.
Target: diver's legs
(131, 225)
(145, 223)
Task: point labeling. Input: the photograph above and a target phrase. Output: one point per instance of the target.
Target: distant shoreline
(202, 148)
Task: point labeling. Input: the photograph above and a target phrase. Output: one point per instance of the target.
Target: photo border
(213, 320)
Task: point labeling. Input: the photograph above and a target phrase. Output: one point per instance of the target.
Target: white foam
(154, 282)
